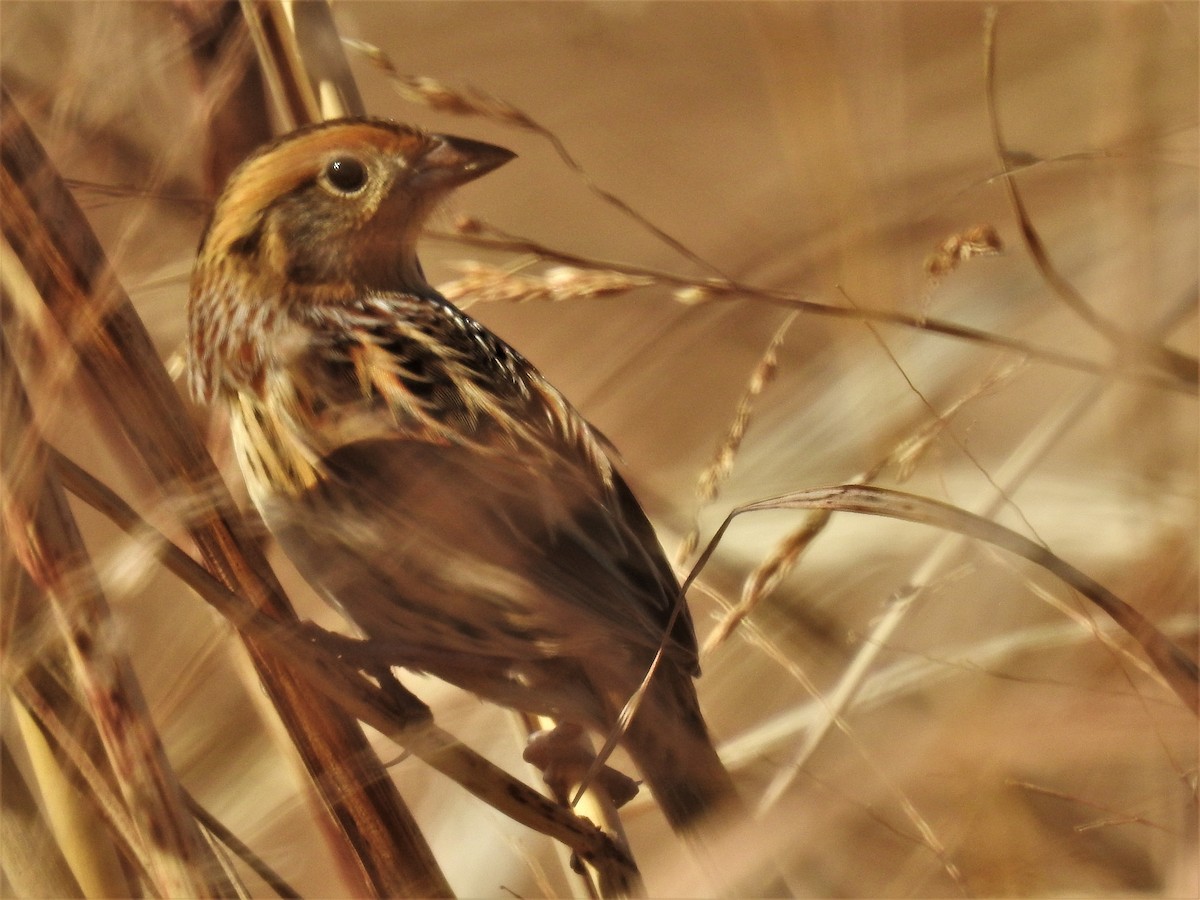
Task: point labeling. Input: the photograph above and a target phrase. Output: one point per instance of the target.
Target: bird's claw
(565, 757)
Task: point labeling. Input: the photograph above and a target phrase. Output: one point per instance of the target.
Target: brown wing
(456, 479)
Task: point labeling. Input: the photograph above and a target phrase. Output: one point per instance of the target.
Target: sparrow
(420, 472)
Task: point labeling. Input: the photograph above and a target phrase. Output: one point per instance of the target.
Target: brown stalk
(83, 816)
(76, 746)
(564, 756)
(64, 260)
(1118, 817)
(279, 61)
(40, 527)
(229, 84)
(217, 829)
(319, 47)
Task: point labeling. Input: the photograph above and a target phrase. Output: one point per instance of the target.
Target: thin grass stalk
(1179, 671)
(909, 676)
(491, 238)
(296, 102)
(74, 831)
(717, 472)
(70, 734)
(1179, 365)
(564, 767)
(89, 821)
(229, 87)
(1019, 466)
(319, 47)
(300, 54)
(228, 839)
(770, 573)
(757, 637)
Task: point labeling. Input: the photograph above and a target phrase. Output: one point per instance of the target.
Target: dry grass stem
(906, 456)
(1075, 612)
(232, 99)
(919, 672)
(1178, 365)
(42, 528)
(89, 822)
(279, 59)
(778, 564)
(1176, 667)
(30, 858)
(721, 466)
(324, 63)
(766, 577)
(482, 283)
(564, 756)
(1117, 817)
(228, 839)
(703, 290)
(1019, 466)
(832, 715)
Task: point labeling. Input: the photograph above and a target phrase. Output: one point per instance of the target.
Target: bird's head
(339, 205)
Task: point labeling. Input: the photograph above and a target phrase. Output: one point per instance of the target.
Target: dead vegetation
(931, 263)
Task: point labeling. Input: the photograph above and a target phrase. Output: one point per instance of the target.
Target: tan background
(819, 148)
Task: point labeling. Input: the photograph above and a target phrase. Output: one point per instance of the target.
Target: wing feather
(461, 501)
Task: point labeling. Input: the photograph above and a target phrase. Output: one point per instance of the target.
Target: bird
(418, 471)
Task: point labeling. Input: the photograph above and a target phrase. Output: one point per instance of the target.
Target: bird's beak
(451, 161)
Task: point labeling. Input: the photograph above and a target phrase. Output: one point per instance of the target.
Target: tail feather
(671, 747)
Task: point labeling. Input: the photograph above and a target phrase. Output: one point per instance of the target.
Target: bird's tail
(671, 747)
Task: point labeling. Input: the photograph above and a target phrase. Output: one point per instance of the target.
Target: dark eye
(346, 174)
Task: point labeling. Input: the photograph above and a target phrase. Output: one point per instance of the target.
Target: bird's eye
(346, 175)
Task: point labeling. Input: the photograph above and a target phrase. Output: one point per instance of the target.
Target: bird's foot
(565, 757)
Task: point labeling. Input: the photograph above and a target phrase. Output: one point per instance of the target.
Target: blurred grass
(826, 150)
